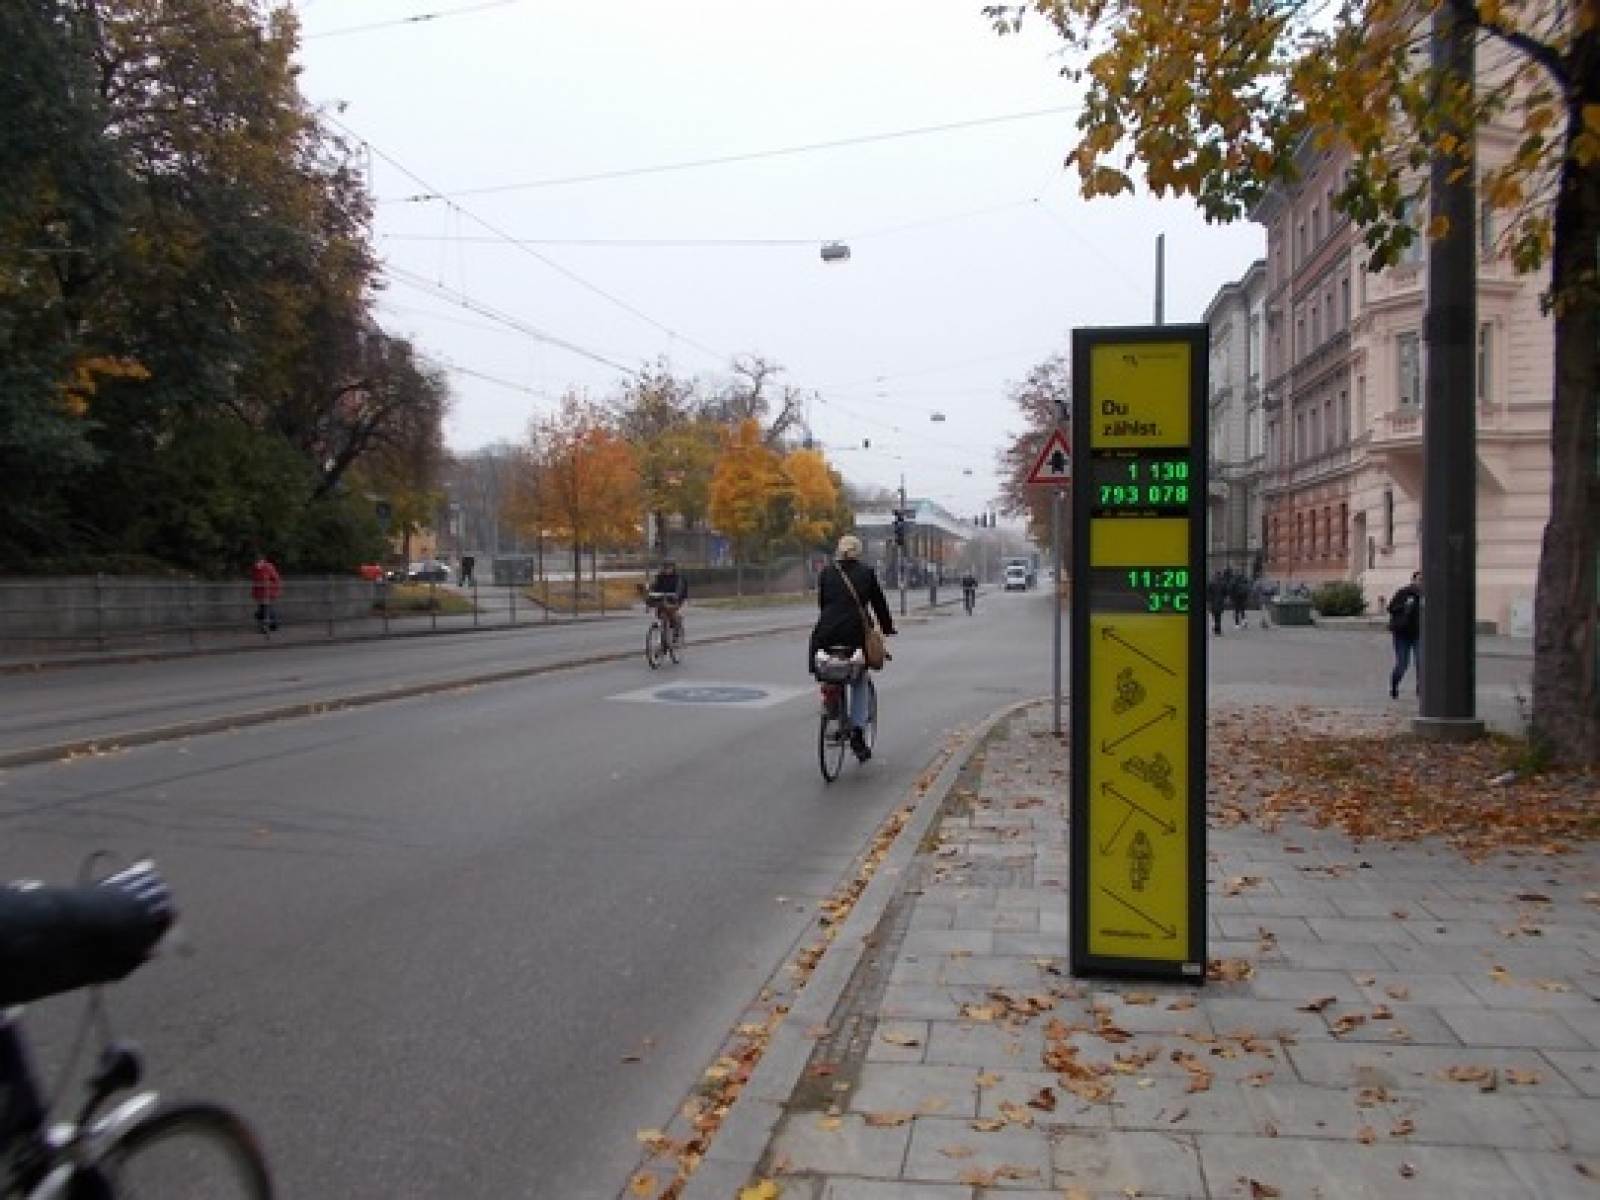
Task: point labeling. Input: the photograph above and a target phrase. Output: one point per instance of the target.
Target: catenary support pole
(1448, 669)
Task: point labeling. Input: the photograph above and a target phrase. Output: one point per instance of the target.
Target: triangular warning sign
(1054, 464)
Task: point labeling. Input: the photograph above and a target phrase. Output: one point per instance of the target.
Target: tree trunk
(1566, 705)
(577, 573)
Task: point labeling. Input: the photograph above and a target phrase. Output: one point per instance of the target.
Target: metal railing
(103, 612)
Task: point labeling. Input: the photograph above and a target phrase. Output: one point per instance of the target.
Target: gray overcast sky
(569, 192)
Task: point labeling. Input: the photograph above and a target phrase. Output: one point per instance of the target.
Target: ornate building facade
(1341, 479)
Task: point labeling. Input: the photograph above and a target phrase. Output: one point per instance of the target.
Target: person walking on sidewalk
(845, 592)
(1405, 630)
(1217, 601)
(266, 585)
(1239, 596)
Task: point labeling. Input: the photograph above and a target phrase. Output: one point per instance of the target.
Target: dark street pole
(1448, 670)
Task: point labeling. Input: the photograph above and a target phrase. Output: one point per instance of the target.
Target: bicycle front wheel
(185, 1151)
(653, 646)
(872, 714)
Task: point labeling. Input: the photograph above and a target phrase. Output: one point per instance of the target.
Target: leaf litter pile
(1381, 784)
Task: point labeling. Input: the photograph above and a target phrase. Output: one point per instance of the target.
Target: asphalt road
(472, 940)
(469, 940)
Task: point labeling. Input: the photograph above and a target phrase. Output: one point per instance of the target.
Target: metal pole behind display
(1055, 554)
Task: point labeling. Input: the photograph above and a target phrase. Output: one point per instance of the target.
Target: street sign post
(1053, 469)
(1138, 866)
(1054, 464)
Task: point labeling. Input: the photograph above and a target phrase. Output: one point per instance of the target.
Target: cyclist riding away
(969, 589)
(841, 621)
(669, 583)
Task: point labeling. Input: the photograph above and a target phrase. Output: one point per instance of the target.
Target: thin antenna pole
(1161, 278)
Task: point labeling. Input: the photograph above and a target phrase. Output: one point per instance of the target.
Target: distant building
(1238, 461)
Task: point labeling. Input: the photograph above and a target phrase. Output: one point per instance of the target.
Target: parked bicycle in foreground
(836, 668)
(121, 1143)
(664, 638)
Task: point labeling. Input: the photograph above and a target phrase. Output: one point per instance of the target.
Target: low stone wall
(86, 608)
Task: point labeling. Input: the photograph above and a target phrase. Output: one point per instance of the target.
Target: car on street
(1016, 578)
(429, 571)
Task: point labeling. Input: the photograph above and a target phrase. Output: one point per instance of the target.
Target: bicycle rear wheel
(652, 645)
(185, 1151)
(833, 739)
(872, 714)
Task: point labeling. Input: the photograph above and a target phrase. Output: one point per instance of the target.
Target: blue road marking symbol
(712, 694)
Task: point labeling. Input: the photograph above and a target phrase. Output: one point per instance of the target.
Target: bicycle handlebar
(56, 939)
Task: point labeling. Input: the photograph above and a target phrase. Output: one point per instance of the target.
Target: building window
(1344, 303)
(1388, 518)
(1344, 529)
(1485, 365)
(1408, 363)
(1415, 217)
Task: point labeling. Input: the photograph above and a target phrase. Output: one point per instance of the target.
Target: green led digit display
(1144, 483)
(1142, 589)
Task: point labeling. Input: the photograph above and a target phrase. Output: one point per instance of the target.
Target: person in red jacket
(266, 585)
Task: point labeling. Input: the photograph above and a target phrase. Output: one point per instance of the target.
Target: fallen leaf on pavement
(885, 1120)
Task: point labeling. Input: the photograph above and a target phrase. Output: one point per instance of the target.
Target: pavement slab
(1404, 1022)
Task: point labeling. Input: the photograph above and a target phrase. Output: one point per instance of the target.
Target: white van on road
(1016, 578)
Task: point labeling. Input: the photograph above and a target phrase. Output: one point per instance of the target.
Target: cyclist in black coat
(669, 583)
(840, 622)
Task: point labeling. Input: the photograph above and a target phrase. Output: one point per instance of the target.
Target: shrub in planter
(1339, 598)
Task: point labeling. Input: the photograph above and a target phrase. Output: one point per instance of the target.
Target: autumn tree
(60, 211)
(810, 492)
(676, 446)
(587, 480)
(1211, 99)
(1044, 399)
(755, 394)
(187, 357)
(747, 477)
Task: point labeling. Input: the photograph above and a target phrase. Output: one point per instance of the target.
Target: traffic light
(900, 529)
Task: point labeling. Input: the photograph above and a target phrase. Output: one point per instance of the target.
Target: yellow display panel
(1139, 652)
(1148, 543)
(1138, 885)
(1139, 395)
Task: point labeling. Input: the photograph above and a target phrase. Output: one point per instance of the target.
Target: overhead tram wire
(401, 275)
(526, 245)
(532, 253)
(749, 156)
(418, 19)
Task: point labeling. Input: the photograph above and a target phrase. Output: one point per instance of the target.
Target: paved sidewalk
(1383, 1021)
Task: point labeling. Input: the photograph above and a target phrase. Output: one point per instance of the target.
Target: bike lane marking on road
(714, 694)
